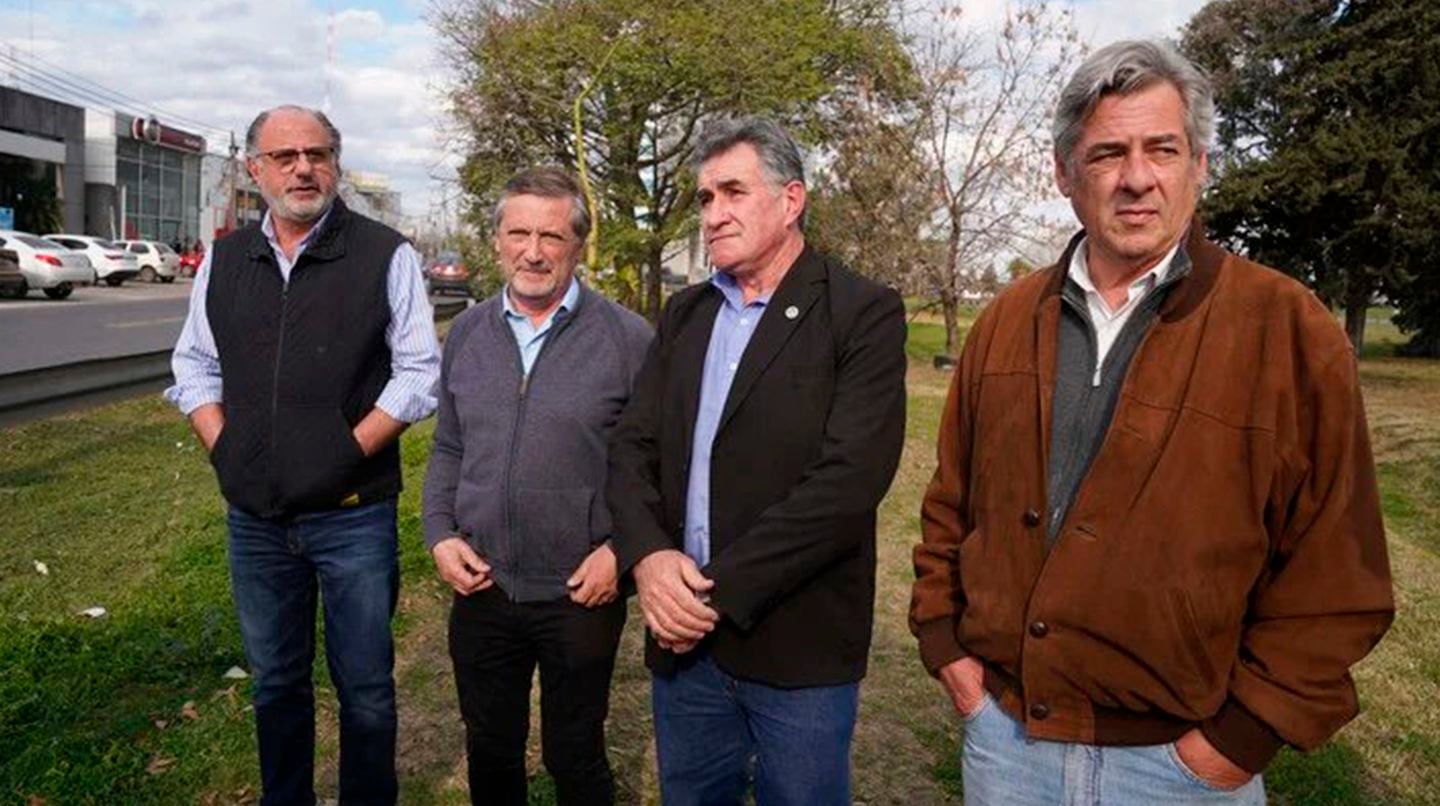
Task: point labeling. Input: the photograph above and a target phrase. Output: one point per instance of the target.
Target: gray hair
(252, 134)
(1128, 67)
(779, 156)
(549, 183)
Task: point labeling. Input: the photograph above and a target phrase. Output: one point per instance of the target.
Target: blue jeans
(714, 733)
(348, 557)
(1002, 767)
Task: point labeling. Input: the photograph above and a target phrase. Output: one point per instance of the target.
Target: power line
(60, 90)
(109, 95)
(64, 89)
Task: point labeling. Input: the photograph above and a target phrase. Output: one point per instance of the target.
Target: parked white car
(48, 266)
(112, 262)
(157, 261)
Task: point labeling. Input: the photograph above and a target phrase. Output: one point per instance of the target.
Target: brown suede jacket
(1223, 564)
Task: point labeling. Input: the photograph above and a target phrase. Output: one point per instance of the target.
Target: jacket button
(1031, 518)
(1039, 629)
(1039, 711)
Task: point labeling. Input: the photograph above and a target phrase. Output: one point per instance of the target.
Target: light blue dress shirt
(734, 325)
(409, 396)
(529, 337)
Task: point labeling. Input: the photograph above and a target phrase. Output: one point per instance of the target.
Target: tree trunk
(654, 274)
(950, 307)
(1357, 307)
(950, 291)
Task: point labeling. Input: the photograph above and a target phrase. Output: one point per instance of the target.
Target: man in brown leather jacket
(1152, 546)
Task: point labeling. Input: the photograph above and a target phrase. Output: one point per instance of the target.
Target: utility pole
(329, 54)
(230, 182)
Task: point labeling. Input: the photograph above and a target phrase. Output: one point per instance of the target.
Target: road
(93, 323)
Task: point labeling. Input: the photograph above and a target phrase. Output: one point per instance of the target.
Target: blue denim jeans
(278, 568)
(715, 733)
(1002, 767)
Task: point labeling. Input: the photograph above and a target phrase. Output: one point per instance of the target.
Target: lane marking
(168, 320)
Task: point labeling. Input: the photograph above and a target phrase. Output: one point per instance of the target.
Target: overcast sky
(217, 62)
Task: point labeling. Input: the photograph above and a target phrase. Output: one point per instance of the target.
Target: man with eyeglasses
(309, 347)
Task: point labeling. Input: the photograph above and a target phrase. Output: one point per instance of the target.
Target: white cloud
(219, 62)
(359, 24)
(1101, 22)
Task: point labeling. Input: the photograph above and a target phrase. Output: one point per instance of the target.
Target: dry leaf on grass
(159, 765)
(229, 694)
(189, 711)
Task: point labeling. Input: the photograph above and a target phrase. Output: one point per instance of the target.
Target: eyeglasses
(287, 158)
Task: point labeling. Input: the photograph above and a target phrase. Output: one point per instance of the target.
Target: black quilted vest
(302, 363)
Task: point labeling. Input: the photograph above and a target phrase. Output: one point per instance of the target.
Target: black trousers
(496, 644)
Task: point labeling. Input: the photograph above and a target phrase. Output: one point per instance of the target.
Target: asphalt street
(92, 323)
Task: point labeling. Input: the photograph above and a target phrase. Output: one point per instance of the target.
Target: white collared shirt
(1108, 323)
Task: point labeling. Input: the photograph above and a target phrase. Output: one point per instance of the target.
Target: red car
(447, 273)
(190, 262)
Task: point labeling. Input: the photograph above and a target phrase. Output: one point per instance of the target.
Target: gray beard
(282, 209)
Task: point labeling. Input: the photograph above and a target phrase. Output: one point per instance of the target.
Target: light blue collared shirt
(734, 325)
(529, 337)
(414, 351)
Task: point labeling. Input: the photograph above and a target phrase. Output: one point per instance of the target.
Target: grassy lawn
(120, 506)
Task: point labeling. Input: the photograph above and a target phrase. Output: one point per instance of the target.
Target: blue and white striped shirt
(414, 351)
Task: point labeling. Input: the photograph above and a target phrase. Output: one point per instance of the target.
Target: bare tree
(620, 89)
(987, 98)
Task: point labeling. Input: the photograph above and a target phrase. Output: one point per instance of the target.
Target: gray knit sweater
(518, 464)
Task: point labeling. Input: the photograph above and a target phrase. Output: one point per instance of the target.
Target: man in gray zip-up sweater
(531, 382)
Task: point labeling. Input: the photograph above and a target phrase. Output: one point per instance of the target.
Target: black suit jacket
(806, 448)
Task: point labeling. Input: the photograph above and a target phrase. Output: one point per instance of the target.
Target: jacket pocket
(1137, 648)
(479, 513)
(553, 530)
(990, 608)
(235, 455)
(316, 456)
(1193, 641)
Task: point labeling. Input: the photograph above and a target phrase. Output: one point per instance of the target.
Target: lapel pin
(792, 312)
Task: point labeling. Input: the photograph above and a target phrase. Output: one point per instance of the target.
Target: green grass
(121, 506)
(1382, 337)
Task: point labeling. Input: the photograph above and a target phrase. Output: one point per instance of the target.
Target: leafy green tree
(625, 86)
(1328, 164)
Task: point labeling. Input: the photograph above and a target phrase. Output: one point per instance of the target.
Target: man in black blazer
(765, 427)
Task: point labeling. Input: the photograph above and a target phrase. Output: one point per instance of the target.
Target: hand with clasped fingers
(673, 593)
(460, 566)
(597, 581)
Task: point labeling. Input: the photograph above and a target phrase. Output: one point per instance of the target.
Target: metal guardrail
(35, 394)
